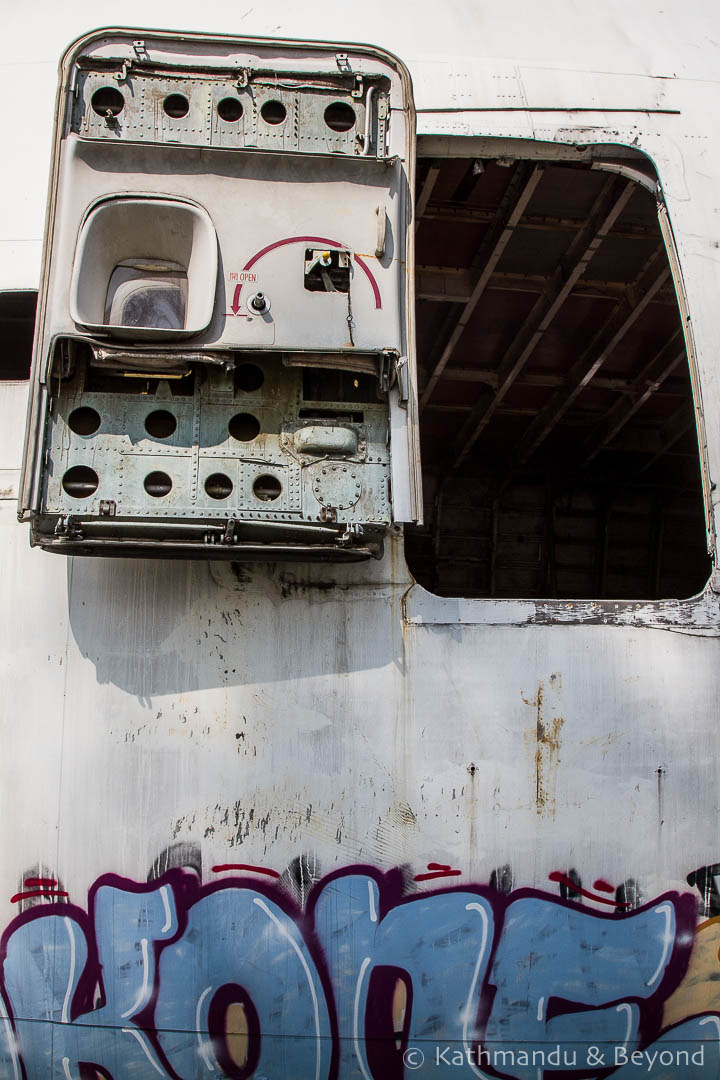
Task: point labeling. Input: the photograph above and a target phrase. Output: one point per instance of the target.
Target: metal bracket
(140, 50)
(328, 513)
(343, 61)
(358, 91)
(67, 529)
(383, 111)
(402, 374)
(386, 368)
(121, 76)
(108, 508)
(393, 369)
(352, 532)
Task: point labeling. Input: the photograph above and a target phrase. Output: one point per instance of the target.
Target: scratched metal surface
(246, 718)
(322, 728)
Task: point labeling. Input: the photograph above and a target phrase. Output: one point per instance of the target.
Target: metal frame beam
(450, 285)
(648, 382)
(651, 280)
(548, 381)
(426, 191)
(473, 215)
(671, 432)
(510, 211)
(609, 204)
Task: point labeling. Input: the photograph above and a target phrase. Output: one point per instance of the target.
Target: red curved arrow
(235, 306)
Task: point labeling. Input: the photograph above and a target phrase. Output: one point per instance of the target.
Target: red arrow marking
(373, 283)
(306, 240)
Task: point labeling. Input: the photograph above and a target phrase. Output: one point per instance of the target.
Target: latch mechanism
(327, 270)
(393, 369)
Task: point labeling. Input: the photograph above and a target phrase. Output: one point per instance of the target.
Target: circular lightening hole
(160, 424)
(218, 486)
(84, 421)
(244, 427)
(229, 109)
(176, 105)
(273, 112)
(80, 482)
(267, 488)
(157, 484)
(249, 377)
(107, 101)
(339, 116)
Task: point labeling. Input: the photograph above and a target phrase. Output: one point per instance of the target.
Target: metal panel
(327, 774)
(342, 183)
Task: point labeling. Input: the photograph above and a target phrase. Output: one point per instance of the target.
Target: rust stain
(547, 749)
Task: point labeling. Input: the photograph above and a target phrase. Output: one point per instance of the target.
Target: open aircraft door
(224, 359)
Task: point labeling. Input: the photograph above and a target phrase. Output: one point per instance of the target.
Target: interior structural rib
(560, 455)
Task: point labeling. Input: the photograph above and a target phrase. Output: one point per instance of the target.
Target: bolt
(258, 302)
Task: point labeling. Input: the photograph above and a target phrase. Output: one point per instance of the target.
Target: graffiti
(575, 888)
(232, 979)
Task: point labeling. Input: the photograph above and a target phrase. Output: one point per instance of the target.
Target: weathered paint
(258, 714)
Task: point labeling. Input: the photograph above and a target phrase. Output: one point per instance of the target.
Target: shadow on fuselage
(156, 627)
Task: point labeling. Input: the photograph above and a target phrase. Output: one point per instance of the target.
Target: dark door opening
(560, 453)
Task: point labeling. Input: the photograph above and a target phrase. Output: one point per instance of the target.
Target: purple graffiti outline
(188, 891)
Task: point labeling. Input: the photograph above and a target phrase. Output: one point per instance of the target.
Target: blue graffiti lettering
(557, 977)
(439, 943)
(49, 976)
(229, 980)
(239, 944)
